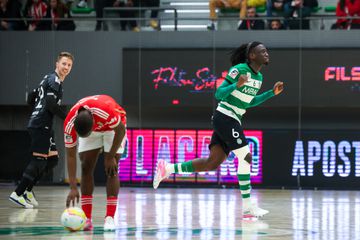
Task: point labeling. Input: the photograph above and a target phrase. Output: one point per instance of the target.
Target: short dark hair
(241, 54)
(83, 122)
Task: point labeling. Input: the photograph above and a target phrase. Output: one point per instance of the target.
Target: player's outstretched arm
(73, 196)
(277, 89)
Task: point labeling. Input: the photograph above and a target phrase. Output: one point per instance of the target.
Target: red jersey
(351, 8)
(106, 112)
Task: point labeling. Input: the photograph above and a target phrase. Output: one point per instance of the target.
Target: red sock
(86, 205)
(111, 206)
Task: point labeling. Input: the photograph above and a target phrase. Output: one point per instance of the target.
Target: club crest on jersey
(233, 73)
(68, 138)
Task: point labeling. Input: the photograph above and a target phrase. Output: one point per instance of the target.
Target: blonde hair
(65, 54)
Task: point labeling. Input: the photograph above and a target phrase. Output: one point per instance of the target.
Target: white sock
(170, 168)
(246, 202)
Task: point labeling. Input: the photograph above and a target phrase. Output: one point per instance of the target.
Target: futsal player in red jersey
(95, 124)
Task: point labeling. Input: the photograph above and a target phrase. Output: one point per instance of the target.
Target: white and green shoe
(253, 211)
(19, 200)
(30, 198)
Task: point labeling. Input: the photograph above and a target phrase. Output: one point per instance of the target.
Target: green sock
(245, 185)
(184, 167)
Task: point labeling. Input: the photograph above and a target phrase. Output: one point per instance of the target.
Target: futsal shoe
(109, 224)
(19, 200)
(160, 173)
(253, 211)
(88, 225)
(30, 198)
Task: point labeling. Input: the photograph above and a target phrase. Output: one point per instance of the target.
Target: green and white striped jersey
(234, 101)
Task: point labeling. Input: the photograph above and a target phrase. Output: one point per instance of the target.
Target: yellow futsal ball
(73, 219)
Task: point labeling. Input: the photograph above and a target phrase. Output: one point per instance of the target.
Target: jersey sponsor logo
(248, 90)
(233, 73)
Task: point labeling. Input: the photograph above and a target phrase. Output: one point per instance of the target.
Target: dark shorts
(42, 140)
(228, 133)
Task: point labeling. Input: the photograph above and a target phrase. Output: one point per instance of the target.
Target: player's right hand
(278, 88)
(242, 80)
(72, 197)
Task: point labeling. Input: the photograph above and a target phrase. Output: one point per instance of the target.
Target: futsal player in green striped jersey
(236, 94)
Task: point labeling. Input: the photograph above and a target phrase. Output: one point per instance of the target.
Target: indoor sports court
(144, 213)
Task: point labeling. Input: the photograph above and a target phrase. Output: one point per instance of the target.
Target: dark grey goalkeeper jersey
(47, 103)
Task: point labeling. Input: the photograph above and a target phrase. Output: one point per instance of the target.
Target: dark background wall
(26, 57)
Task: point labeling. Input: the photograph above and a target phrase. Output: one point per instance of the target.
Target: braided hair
(241, 54)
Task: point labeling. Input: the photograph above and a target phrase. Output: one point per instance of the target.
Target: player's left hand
(111, 167)
(278, 87)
